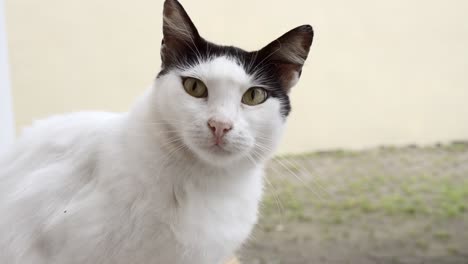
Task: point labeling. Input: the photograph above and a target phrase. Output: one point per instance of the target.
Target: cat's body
(114, 198)
(178, 179)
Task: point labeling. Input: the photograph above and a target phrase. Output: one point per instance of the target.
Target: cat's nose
(219, 128)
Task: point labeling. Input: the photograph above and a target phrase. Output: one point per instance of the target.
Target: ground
(383, 205)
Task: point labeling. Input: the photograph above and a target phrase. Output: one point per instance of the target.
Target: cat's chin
(217, 156)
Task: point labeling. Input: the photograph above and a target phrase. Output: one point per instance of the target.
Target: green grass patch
(332, 153)
(427, 196)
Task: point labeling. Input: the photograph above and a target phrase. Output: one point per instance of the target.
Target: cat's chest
(216, 217)
(216, 226)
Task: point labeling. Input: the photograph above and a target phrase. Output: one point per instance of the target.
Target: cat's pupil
(252, 94)
(194, 86)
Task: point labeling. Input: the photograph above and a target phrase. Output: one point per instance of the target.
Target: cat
(177, 179)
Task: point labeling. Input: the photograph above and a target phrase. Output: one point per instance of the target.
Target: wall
(380, 72)
(7, 130)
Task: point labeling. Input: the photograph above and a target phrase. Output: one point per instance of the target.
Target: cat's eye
(195, 87)
(255, 96)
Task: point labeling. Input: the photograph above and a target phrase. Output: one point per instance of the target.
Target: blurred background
(374, 165)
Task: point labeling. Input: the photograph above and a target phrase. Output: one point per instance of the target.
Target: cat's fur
(149, 186)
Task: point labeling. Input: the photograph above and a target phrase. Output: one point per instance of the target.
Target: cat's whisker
(250, 158)
(314, 179)
(275, 193)
(269, 55)
(171, 141)
(269, 140)
(321, 187)
(257, 155)
(171, 122)
(252, 61)
(263, 147)
(176, 131)
(168, 157)
(305, 184)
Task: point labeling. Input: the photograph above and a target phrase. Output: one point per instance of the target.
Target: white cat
(178, 179)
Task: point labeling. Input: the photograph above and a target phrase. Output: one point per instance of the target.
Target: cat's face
(223, 103)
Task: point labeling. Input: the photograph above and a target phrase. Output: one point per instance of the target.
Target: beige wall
(380, 72)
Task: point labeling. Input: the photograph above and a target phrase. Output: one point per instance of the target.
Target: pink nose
(219, 128)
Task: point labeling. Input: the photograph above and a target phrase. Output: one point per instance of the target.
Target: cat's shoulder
(70, 125)
(61, 133)
(73, 122)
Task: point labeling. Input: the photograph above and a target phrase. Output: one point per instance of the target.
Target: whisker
(313, 178)
(279, 205)
(269, 55)
(168, 156)
(299, 179)
(171, 140)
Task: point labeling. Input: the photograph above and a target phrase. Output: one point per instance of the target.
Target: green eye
(195, 87)
(255, 96)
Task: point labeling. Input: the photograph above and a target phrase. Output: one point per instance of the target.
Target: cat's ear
(179, 33)
(288, 54)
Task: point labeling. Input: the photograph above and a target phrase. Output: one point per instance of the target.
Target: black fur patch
(253, 64)
(276, 66)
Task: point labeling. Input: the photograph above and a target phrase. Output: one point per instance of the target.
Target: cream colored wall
(380, 72)
(7, 126)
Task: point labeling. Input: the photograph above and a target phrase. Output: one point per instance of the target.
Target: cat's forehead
(223, 68)
(227, 67)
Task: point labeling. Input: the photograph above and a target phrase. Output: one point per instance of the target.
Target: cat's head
(221, 102)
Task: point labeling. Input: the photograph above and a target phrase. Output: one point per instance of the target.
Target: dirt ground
(383, 205)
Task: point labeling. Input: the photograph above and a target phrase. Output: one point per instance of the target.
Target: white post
(7, 130)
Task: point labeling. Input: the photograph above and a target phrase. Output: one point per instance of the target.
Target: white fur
(141, 187)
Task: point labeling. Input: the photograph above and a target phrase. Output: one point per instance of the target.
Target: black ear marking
(176, 21)
(288, 53)
(179, 33)
(277, 66)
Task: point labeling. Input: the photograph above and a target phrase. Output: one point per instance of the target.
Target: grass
(442, 236)
(419, 196)
(333, 153)
(387, 202)
(376, 205)
(378, 190)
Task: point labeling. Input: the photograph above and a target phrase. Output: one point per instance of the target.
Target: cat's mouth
(219, 149)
